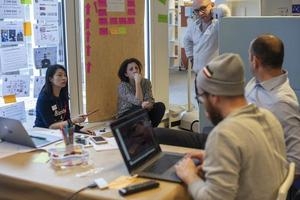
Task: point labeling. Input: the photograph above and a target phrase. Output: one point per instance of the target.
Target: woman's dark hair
(47, 88)
(123, 68)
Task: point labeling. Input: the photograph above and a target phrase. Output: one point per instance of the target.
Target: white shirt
(202, 45)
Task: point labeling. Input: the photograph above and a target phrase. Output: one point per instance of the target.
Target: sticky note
(42, 157)
(122, 20)
(113, 20)
(103, 21)
(10, 98)
(162, 18)
(27, 28)
(103, 31)
(122, 30)
(25, 1)
(114, 31)
(130, 3)
(131, 11)
(130, 20)
(102, 12)
(163, 1)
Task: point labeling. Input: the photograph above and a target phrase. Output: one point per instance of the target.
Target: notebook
(140, 151)
(13, 131)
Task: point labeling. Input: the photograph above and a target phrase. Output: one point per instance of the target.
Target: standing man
(201, 38)
(270, 89)
(244, 155)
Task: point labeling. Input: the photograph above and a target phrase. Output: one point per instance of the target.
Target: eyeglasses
(200, 9)
(200, 97)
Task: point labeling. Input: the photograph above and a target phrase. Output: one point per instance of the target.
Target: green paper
(25, 1)
(163, 1)
(162, 18)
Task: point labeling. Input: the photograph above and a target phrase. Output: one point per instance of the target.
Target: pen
(38, 137)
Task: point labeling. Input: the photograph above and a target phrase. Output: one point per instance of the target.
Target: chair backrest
(285, 186)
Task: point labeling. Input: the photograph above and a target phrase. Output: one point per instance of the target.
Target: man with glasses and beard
(244, 156)
(201, 38)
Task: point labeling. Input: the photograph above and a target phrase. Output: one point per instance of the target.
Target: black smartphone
(98, 139)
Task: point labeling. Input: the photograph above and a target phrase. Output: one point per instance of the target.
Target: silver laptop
(139, 149)
(13, 131)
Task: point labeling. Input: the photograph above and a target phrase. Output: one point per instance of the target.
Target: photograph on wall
(44, 57)
(11, 33)
(18, 85)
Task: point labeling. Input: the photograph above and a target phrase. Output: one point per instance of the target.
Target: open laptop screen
(134, 135)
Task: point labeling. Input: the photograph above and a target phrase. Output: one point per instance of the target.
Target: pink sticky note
(130, 20)
(102, 3)
(113, 20)
(102, 12)
(103, 31)
(131, 11)
(122, 20)
(103, 21)
(130, 3)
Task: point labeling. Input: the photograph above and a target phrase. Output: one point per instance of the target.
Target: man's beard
(213, 113)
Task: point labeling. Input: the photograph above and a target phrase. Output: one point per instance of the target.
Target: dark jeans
(180, 138)
(155, 114)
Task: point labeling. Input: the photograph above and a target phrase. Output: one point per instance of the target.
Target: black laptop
(12, 130)
(140, 151)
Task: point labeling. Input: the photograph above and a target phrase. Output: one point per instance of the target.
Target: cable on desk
(93, 185)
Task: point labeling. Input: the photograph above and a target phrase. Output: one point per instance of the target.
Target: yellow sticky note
(10, 98)
(27, 28)
(122, 30)
(42, 157)
(114, 30)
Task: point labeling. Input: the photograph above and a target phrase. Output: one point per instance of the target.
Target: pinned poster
(38, 84)
(14, 111)
(18, 85)
(11, 10)
(116, 6)
(11, 32)
(10, 98)
(13, 58)
(46, 33)
(27, 29)
(46, 10)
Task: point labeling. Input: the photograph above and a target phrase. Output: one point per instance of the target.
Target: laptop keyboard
(163, 164)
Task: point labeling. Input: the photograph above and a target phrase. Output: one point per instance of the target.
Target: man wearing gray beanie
(245, 152)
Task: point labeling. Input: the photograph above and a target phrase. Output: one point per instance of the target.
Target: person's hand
(186, 170)
(137, 77)
(79, 119)
(147, 105)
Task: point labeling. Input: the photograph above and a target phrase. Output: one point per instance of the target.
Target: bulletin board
(114, 31)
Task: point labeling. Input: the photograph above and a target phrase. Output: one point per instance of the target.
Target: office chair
(285, 186)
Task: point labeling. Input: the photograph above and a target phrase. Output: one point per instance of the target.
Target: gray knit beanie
(223, 75)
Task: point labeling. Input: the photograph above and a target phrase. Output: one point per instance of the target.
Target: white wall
(159, 54)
